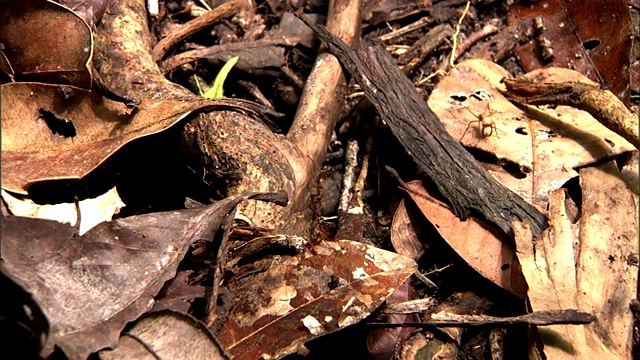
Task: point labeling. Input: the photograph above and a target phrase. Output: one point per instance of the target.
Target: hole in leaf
(522, 131)
(591, 44)
(574, 190)
(459, 97)
(611, 143)
(58, 126)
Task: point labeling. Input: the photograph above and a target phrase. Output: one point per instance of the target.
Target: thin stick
(455, 35)
(225, 10)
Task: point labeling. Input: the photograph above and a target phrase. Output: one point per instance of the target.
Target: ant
(487, 126)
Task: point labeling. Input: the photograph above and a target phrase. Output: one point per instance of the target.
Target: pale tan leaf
(542, 152)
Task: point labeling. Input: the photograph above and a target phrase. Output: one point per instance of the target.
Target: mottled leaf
(334, 285)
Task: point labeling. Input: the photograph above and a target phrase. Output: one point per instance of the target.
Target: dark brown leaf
(44, 41)
(592, 37)
(90, 286)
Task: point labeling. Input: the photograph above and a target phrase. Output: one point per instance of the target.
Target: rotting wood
(459, 178)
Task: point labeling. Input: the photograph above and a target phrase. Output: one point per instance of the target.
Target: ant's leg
(467, 129)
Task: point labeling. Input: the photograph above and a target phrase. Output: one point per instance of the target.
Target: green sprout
(216, 91)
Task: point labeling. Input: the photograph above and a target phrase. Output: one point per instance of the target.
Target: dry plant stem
(322, 98)
(295, 79)
(540, 318)
(225, 10)
(424, 21)
(603, 105)
(425, 46)
(454, 50)
(472, 39)
(255, 91)
(457, 175)
(362, 176)
(349, 173)
(193, 55)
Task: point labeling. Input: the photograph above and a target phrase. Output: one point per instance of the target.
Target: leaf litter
(327, 285)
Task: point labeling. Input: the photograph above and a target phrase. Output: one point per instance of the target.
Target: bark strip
(459, 178)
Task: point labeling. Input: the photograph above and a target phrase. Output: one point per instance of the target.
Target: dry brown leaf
(54, 132)
(404, 234)
(542, 153)
(484, 248)
(43, 41)
(590, 266)
(166, 335)
(334, 285)
(88, 287)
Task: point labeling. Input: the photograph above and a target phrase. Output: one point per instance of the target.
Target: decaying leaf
(533, 156)
(35, 51)
(482, 247)
(52, 132)
(591, 266)
(166, 335)
(332, 286)
(88, 287)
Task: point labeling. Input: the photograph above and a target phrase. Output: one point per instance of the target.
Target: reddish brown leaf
(592, 37)
(90, 286)
(328, 288)
(44, 41)
(484, 248)
(383, 343)
(62, 132)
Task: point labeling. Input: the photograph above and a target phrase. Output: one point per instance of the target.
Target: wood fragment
(539, 318)
(458, 177)
(601, 104)
(225, 10)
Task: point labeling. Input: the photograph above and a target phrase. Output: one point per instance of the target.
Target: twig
(472, 39)
(539, 318)
(453, 56)
(601, 104)
(255, 91)
(225, 10)
(351, 161)
(322, 97)
(406, 29)
(456, 174)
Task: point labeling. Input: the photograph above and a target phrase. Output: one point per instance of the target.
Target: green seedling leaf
(216, 91)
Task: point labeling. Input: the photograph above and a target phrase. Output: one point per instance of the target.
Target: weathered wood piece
(459, 178)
